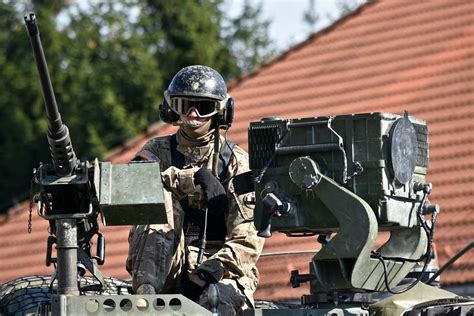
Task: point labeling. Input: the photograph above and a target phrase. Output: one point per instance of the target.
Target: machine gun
(72, 193)
(346, 178)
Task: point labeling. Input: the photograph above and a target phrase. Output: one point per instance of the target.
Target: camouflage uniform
(159, 254)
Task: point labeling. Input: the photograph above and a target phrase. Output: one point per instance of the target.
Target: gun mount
(72, 194)
(346, 178)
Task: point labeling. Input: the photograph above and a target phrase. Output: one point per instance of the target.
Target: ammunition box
(131, 194)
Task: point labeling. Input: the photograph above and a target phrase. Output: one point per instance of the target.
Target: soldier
(167, 258)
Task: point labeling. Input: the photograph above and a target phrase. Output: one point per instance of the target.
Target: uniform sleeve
(242, 248)
(179, 181)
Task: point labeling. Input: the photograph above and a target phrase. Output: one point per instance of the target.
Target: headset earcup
(167, 115)
(229, 112)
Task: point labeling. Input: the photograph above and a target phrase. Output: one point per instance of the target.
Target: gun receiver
(62, 152)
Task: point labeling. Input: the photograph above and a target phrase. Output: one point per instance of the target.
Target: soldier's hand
(214, 192)
(194, 277)
(193, 286)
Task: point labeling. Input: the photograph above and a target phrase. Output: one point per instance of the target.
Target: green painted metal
(364, 140)
(131, 193)
(329, 311)
(421, 294)
(335, 174)
(165, 304)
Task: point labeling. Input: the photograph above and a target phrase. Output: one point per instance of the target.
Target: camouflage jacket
(242, 247)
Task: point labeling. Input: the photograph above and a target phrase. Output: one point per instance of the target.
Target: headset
(223, 119)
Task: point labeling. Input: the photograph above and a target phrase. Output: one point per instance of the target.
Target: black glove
(206, 277)
(191, 290)
(214, 192)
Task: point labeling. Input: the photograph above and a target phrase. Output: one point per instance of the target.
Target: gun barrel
(62, 153)
(54, 118)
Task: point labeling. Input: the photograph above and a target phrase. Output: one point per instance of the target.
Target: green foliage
(20, 106)
(347, 6)
(310, 17)
(181, 33)
(109, 61)
(247, 37)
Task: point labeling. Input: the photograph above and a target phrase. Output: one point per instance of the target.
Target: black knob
(431, 209)
(297, 278)
(294, 280)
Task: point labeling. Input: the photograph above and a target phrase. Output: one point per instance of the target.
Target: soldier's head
(197, 96)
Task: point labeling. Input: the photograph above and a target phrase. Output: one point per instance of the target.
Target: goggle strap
(167, 98)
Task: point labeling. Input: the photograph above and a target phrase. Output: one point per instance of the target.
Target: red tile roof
(388, 56)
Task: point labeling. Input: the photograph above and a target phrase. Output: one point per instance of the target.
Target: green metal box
(131, 194)
(365, 153)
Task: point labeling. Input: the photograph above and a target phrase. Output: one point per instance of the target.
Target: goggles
(203, 107)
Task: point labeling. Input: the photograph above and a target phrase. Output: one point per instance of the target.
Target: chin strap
(215, 155)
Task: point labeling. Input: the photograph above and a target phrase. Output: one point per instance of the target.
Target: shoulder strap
(177, 158)
(224, 158)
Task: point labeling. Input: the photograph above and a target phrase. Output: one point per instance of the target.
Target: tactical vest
(194, 218)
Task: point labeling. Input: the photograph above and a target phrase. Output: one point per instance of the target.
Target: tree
(105, 83)
(310, 17)
(114, 78)
(347, 6)
(21, 105)
(246, 36)
(180, 33)
(109, 62)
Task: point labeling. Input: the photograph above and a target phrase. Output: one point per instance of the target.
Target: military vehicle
(344, 179)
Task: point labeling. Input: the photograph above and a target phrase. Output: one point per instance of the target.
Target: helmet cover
(198, 81)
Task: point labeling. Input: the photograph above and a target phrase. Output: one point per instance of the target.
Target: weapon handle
(272, 206)
(265, 226)
(100, 249)
(265, 229)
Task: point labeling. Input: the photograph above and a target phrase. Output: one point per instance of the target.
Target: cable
(202, 242)
(458, 255)
(258, 179)
(426, 257)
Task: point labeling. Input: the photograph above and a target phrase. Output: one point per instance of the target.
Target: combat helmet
(196, 87)
(198, 81)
